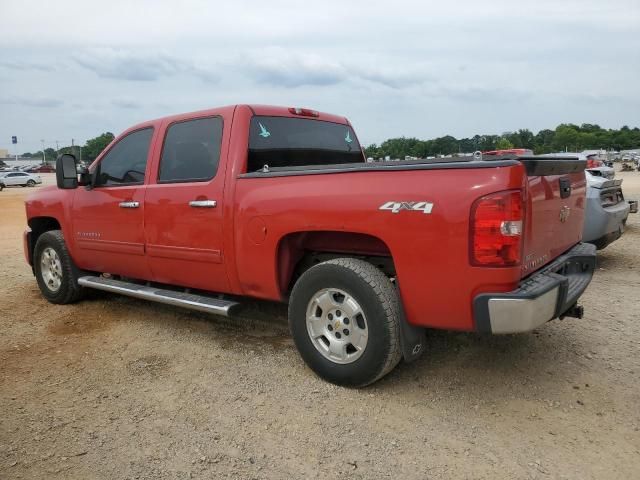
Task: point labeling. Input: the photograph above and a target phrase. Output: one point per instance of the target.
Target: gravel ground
(117, 388)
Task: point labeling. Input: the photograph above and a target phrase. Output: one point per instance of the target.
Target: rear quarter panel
(430, 251)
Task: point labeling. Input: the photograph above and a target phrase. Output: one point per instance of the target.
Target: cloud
(124, 64)
(483, 94)
(279, 67)
(125, 103)
(41, 102)
(26, 66)
(119, 64)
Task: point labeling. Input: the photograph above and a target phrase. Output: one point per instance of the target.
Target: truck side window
(126, 162)
(191, 151)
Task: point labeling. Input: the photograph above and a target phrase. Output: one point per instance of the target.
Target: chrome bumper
(543, 296)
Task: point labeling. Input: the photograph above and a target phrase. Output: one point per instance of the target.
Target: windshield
(295, 142)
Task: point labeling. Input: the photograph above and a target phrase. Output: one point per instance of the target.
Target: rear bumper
(543, 296)
(601, 221)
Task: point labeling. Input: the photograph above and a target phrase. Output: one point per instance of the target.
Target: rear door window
(191, 151)
(295, 142)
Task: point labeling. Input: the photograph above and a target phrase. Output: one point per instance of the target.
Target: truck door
(184, 206)
(108, 219)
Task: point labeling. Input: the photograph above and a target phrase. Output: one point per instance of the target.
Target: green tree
(96, 145)
(503, 144)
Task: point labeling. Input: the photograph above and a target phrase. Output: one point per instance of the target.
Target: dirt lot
(115, 388)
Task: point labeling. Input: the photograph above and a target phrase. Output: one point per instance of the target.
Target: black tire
(31, 183)
(379, 302)
(1, 186)
(69, 291)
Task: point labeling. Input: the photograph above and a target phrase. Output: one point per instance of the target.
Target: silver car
(606, 211)
(23, 179)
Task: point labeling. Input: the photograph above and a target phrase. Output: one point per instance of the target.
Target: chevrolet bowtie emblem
(564, 213)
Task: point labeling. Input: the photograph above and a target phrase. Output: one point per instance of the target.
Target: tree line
(90, 150)
(565, 137)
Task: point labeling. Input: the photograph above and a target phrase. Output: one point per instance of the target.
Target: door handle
(203, 203)
(129, 204)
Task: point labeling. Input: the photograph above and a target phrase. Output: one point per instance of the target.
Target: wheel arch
(298, 251)
(38, 226)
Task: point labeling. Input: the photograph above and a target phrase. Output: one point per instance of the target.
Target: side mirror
(66, 173)
(84, 177)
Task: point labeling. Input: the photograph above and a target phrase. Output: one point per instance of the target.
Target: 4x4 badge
(564, 213)
(396, 207)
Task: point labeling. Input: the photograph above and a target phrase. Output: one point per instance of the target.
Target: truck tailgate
(555, 208)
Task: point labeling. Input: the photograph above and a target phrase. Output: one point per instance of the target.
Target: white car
(23, 179)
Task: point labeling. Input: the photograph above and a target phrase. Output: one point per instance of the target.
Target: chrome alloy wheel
(337, 326)
(51, 269)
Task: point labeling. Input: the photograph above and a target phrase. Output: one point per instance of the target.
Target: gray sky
(414, 68)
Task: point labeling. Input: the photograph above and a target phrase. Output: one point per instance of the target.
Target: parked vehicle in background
(22, 179)
(606, 210)
(510, 151)
(598, 167)
(41, 169)
(201, 209)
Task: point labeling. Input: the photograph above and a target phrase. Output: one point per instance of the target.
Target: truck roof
(262, 110)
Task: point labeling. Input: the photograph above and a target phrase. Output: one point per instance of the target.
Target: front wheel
(31, 183)
(344, 316)
(56, 274)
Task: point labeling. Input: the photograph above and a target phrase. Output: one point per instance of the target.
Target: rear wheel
(344, 316)
(56, 274)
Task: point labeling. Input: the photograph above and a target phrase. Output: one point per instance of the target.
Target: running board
(193, 301)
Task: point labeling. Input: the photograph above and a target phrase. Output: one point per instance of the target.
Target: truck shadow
(492, 368)
(452, 361)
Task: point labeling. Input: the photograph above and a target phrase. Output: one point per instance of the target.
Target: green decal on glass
(348, 138)
(264, 133)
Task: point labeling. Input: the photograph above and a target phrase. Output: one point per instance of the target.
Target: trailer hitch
(575, 311)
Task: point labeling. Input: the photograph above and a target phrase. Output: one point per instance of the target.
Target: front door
(184, 207)
(108, 219)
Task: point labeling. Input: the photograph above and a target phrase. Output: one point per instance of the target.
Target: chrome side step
(193, 301)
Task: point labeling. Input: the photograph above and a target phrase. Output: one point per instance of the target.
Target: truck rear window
(296, 142)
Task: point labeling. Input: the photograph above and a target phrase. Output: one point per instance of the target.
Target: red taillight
(496, 229)
(305, 112)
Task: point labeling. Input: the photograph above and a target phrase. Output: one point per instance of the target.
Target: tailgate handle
(565, 188)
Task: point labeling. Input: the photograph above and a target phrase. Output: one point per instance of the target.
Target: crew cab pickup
(205, 208)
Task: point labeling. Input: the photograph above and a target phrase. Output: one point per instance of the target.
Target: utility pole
(73, 150)
(44, 155)
(57, 149)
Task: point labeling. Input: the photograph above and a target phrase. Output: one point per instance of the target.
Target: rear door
(108, 219)
(556, 203)
(184, 206)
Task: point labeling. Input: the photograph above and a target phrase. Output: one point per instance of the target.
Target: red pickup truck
(205, 208)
